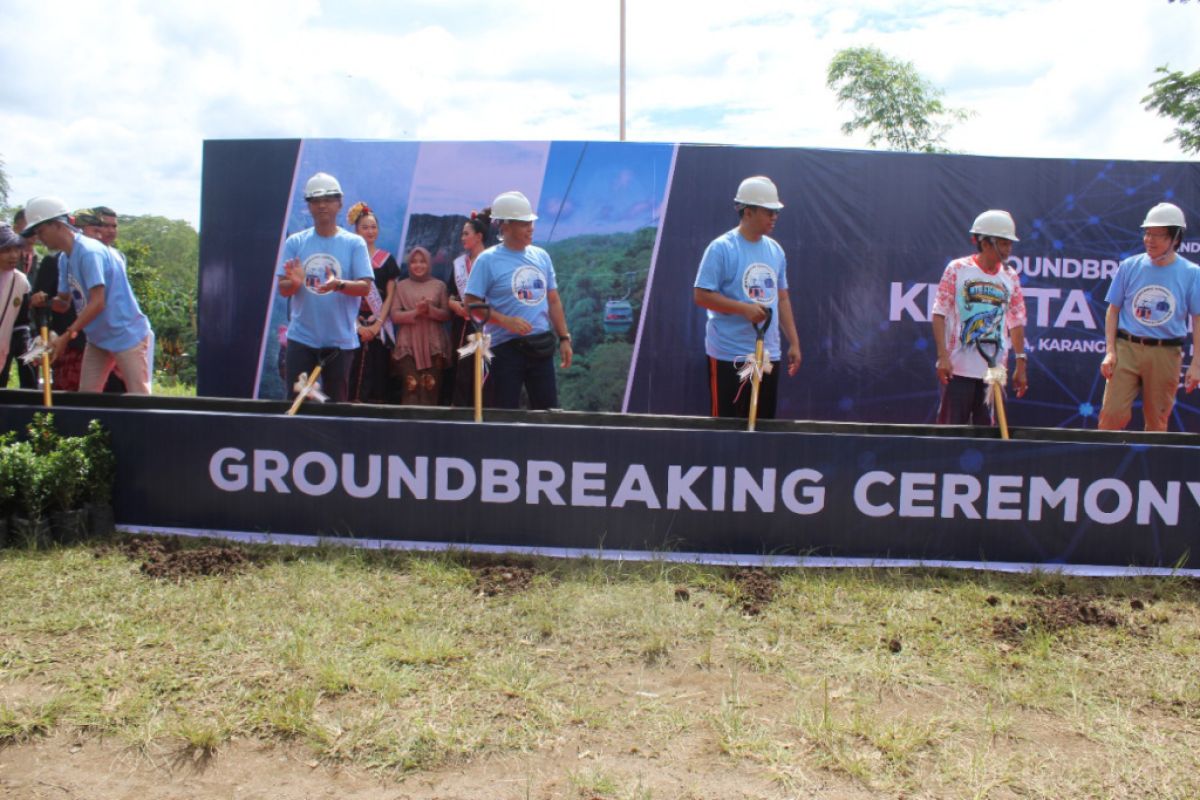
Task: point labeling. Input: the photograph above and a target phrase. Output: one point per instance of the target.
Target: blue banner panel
(717, 493)
(867, 236)
(246, 188)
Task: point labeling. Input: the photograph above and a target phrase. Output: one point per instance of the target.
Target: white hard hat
(42, 209)
(322, 185)
(512, 206)
(758, 191)
(1165, 215)
(995, 223)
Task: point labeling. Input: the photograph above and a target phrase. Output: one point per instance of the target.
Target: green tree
(173, 245)
(1177, 95)
(891, 101)
(161, 258)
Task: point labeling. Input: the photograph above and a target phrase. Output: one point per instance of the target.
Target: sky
(110, 104)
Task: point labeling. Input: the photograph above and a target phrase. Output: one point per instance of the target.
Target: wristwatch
(1020, 356)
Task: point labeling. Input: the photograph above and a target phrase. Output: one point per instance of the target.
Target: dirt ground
(68, 768)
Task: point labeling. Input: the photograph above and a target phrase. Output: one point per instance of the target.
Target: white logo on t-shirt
(1153, 306)
(319, 268)
(760, 284)
(529, 285)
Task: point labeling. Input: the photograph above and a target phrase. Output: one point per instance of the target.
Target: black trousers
(964, 402)
(731, 399)
(335, 375)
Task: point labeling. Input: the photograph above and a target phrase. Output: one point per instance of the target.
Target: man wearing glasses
(1145, 328)
(742, 276)
(325, 272)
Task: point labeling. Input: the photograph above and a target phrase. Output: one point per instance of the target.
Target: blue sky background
(601, 187)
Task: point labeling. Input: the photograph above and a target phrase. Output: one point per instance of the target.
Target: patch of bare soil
(568, 766)
(165, 557)
(1053, 614)
(503, 578)
(756, 589)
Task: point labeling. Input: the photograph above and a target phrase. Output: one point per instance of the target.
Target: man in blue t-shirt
(743, 274)
(527, 323)
(1151, 300)
(325, 271)
(92, 276)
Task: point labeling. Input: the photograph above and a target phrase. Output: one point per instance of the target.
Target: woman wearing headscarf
(422, 350)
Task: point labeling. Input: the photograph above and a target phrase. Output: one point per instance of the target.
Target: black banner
(716, 493)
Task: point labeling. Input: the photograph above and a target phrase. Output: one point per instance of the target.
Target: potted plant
(8, 484)
(65, 472)
(28, 526)
(41, 434)
(101, 473)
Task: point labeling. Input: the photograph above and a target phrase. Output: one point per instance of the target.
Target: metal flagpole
(622, 70)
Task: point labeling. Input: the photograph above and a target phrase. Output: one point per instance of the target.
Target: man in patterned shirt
(978, 312)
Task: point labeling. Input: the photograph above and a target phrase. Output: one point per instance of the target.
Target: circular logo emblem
(1153, 306)
(760, 284)
(529, 285)
(318, 269)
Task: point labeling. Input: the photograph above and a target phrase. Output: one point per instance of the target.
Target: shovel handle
(47, 376)
(760, 330)
(312, 379)
(485, 312)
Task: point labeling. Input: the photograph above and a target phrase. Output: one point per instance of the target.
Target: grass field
(648, 680)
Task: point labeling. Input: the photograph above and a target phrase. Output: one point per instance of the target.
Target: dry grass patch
(618, 680)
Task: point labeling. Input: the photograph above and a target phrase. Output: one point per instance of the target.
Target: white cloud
(113, 106)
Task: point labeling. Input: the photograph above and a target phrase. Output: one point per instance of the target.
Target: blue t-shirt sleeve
(712, 265)
(783, 283)
(551, 283)
(91, 268)
(477, 282)
(1116, 289)
(1193, 299)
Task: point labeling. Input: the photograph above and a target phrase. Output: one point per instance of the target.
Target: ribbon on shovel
(39, 350)
(306, 387)
(37, 347)
(748, 368)
(476, 341)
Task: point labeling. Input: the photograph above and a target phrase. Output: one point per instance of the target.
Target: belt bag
(538, 345)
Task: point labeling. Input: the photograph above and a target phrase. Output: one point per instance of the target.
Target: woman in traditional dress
(474, 241)
(369, 372)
